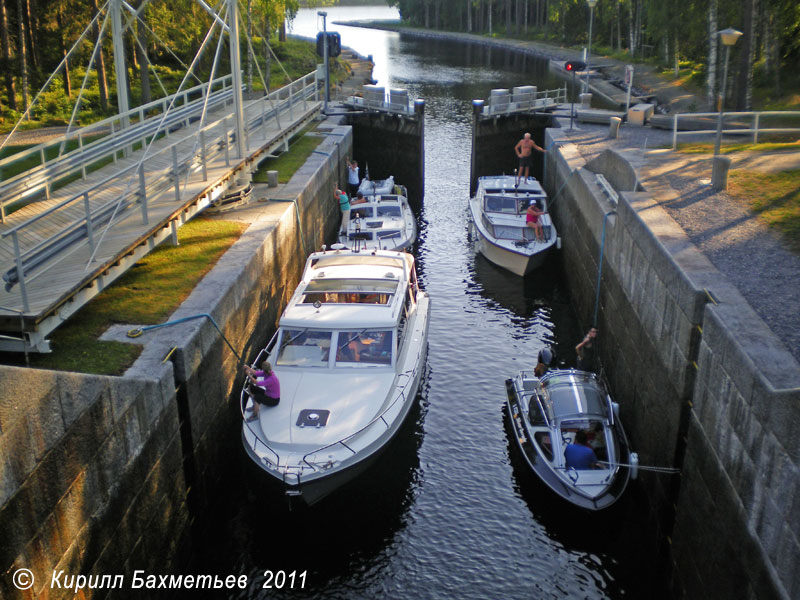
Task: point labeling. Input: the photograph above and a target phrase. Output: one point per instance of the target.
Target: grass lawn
(300, 148)
(147, 294)
(775, 197)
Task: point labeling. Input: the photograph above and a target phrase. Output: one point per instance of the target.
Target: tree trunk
(771, 61)
(60, 22)
(713, 54)
(508, 18)
(469, 16)
(267, 54)
(744, 99)
(677, 58)
(249, 55)
(102, 82)
(22, 54)
(33, 32)
(144, 60)
(6, 64)
(631, 41)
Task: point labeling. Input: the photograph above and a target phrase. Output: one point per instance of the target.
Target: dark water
(448, 511)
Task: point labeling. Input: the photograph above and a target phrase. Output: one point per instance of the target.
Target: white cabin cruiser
(550, 417)
(384, 219)
(349, 354)
(499, 223)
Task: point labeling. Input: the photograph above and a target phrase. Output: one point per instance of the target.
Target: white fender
(558, 243)
(634, 462)
(615, 408)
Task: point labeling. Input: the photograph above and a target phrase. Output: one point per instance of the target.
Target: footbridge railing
(84, 214)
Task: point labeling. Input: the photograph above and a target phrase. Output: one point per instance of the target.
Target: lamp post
(729, 38)
(600, 265)
(592, 4)
(326, 97)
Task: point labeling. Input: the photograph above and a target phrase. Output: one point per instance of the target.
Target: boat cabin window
(389, 211)
(348, 291)
(510, 205)
(369, 347)
(565, 400)
(304, 348)
(359, 235)
(365, 212)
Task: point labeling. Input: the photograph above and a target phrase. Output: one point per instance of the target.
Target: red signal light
(575, 65)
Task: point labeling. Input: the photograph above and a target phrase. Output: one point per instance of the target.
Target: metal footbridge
(73, 223)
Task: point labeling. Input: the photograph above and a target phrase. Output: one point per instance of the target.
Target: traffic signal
(334, 44)
(575, 65)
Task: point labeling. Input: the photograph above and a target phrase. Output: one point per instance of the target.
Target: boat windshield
(365, 347)
(571, 399)
(349, 291)
(363, 212)
(389, 211)
(304, 348)
(510, 205)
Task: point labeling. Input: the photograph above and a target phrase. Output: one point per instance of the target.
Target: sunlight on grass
(708, 148)
(300, 148)
(147, 294)
(775, 197)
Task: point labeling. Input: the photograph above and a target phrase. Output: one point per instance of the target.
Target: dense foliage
(671, 32)
(37, 35)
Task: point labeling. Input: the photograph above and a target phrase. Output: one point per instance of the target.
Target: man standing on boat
(524, 149)
(352, 177)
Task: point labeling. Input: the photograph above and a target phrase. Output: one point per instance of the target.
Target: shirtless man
(523, 149)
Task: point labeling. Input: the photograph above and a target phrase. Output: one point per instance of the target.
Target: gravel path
(741, 246)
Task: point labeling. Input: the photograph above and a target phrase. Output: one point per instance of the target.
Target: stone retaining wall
(703, 384)
(95, 471)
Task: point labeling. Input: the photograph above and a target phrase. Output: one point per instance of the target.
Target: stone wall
(101, 475)
(702, 383)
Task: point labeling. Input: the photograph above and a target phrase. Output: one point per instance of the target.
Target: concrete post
(613, 129)
(586, 100)
(719, 173)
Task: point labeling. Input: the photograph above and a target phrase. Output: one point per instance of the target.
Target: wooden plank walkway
(53, 288)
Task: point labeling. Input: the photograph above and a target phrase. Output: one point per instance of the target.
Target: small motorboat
(550, 415)
(349, 354)
(384, 219)
(499, 225)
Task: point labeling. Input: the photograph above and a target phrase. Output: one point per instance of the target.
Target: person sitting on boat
(263, 387)
(532, 219)
(597, 440)
(359, 198)
(579, 455)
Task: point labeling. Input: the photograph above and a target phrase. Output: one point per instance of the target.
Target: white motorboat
(349, 354)
(384, 219)
(558, 409)
(499, 223)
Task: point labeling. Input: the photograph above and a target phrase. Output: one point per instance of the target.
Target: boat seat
(528, 384)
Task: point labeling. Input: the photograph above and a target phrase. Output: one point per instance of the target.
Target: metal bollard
(272, 178)
(613, 128)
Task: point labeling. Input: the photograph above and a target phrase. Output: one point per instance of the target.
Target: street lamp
(600, 265)
(729, 38)
(592, 4)
(326, 97)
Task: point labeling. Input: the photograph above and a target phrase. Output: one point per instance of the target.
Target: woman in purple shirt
(263, 387)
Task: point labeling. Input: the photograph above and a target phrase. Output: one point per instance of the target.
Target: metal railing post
(203, 155)
(83, 165)
(20, 273)
(291, 100)
(227, 145)
(675, 132)
(175, 173)
(755, 128)
(89, 228)
(143, 192)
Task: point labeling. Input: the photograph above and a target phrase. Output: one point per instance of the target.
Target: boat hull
(544, 472)
(518, 263)
(311, 487)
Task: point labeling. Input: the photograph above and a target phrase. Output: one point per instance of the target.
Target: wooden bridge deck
(66, 281)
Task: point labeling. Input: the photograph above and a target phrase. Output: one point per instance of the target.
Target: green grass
(300, 148)
(774, 197)
(146, 295)
(727, 148)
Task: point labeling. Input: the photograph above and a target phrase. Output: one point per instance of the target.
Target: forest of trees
(672, 31)
(36, 35)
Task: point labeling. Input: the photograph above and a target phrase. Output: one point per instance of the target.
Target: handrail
(755, 129)
(155, 184)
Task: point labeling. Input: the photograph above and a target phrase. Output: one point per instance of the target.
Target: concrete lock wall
(702, 383)
(95, 470)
